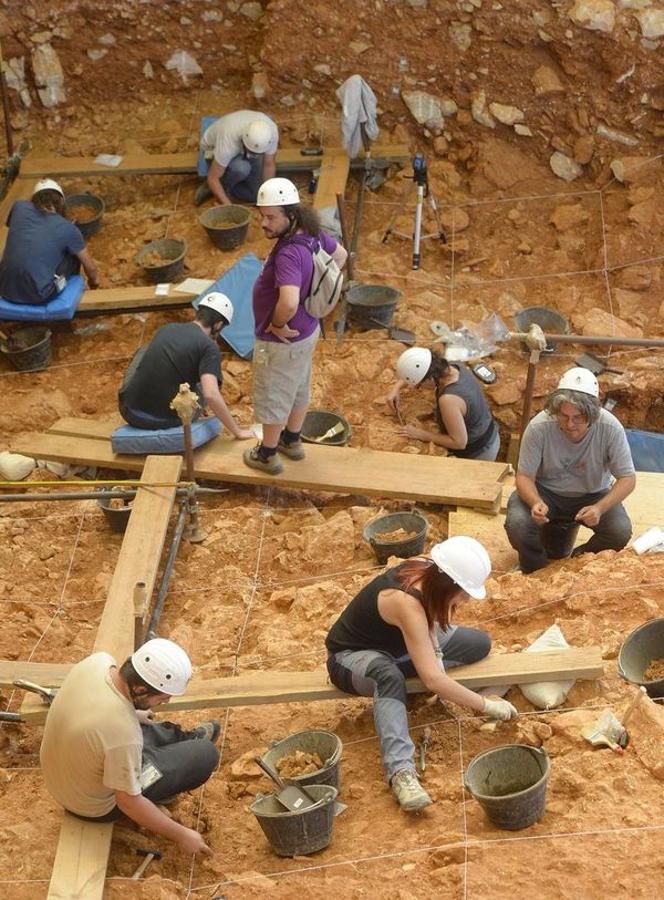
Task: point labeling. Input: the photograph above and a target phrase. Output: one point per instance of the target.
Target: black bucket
(28, 349)
(643, 645)
(550, 321)
(117, 516)
(299, 832)
(170, 252)
(324, 743)
(95, 207)
(510, 784)
(412, 522)
(227, 226)
(372, 305)
(318, 422)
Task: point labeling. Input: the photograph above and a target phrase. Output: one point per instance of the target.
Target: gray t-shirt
(223, 139)
(575, 469)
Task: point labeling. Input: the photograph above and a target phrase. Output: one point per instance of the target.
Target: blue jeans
(374, 673)
(537, 544)
(242, 178)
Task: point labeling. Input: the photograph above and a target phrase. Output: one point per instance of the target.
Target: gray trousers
(374, 673)
(184, 762)
(537, 544)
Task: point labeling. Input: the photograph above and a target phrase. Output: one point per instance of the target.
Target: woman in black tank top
(399, 626)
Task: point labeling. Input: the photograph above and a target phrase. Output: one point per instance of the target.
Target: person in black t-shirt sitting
(399, 626)
(180, 352)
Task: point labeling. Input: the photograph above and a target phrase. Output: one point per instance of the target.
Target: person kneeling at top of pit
(569, 453)
(180, 352)
(399, 626)
(102, 755)
(43, 248)
(466, 427)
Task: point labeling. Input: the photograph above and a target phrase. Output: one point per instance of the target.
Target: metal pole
(528, 394)
(417, 233)
(603, 341)
(343, 311)
(97, 495)
(5, 107)
(168, 571)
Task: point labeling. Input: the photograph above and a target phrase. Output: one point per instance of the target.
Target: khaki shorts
(282, 378)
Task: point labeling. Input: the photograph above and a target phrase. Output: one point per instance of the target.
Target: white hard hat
(466, 562)
(220, 303)
(277, 192)
(163, 665)
(47, 184)
(579, 379)
(258, 136)
(413, 364)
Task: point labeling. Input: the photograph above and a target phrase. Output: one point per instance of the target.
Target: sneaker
(203, 193)
(208, 731)
(409, 793)
(295, 450)
(273, 466)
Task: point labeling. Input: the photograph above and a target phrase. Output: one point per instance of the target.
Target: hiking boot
(294, 450)
(202, 194)
(207, 731)
(409, 793)
(273, 466)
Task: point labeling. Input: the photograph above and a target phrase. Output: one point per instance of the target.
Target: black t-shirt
(361, 627)
(177, 353)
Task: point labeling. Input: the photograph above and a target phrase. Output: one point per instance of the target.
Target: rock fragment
(545, 81)
(564, 167)
(49, 76)
(424, 108)
(508, 115)
(595, 15)
(479, 111)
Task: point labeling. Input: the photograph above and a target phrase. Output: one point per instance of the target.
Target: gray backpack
(326, 282)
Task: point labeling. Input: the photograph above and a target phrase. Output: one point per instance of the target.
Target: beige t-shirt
(92, 744)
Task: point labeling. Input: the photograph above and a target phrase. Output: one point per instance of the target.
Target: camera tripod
(421, 179)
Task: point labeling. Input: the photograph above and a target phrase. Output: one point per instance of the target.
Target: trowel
(290, 796)
(594, 364)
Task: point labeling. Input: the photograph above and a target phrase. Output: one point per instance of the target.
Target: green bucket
(510, 784)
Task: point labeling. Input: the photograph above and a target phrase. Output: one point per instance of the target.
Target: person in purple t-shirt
(286, 334)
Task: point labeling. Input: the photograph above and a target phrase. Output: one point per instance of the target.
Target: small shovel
(291, 797)
(594, 364)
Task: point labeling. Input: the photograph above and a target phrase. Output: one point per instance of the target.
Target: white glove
(500, 709)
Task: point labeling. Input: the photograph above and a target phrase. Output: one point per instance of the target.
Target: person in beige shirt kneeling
(102, 755)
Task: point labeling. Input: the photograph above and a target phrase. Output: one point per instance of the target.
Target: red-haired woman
(399, 626)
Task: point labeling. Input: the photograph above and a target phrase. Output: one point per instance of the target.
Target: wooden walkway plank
(79, 869)
(433, 479)
(45, 674)
(332, 180)
(131, 298)
(257, 688)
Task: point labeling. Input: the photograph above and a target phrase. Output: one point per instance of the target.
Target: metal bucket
(91, 202)
(372, 305)
(510, 784)
(227, 226)
(172, 253)
(118, 518)
(297, 833)
(29, 349)
(640, 648)
(326, 744)
(549, 320)
(412, 522)
(318, 421)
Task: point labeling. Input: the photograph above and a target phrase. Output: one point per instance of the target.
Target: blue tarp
(647, 450)
(202, 166)
(62, 306)
(237, 283)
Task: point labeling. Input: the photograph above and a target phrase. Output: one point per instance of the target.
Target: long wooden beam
(131, 298)
(289, 159)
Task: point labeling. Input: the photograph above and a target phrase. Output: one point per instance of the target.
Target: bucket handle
(621, 671)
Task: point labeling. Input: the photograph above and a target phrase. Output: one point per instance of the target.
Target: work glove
(500, 709)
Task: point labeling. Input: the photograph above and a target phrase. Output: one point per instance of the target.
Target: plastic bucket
(639, 649)
(326, 744)
(549, 320)
(226, 226)
(117, 517)
(372, 305)
(318, 421)
(162, 260)
(93, 207)
(29, 349)
(412, 522)
(297, 833)
(510, 784)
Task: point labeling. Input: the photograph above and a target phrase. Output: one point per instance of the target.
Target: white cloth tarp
(358, 105)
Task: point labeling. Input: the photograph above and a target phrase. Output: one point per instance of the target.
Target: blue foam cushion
(238, 284)
(647, 449)
(62, 306)
(203, 164)
(127, 439)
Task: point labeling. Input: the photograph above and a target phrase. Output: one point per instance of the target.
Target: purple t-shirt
(289, 263)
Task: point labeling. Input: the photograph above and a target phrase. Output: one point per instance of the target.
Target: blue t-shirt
(36, 245)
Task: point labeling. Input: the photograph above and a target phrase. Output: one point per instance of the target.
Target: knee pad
(390, 682)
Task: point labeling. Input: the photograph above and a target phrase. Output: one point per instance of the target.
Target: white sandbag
(14, 467)
(547, 694)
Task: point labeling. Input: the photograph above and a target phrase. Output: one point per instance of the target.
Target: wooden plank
(289, 159)
(131, 298)
(256, 688)
(332, 180)
(21, 189)
(443, 480)
(45, 674)
(79, 869)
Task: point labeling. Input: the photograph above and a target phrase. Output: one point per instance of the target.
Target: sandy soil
(278, 566)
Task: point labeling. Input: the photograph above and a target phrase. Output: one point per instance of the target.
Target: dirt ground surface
(278, 566)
